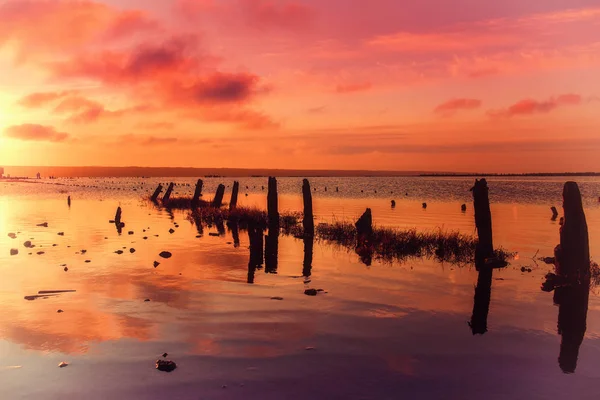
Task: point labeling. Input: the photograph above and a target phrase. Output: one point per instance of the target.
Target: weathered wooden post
(197, 193)
(308, 219)
(393, 203)
(234, 195)
(483, 222)
(572, 255)
(118, 216)
(167, 195)
(554, 213)
(154, 197)
(218, 199)
(272, 201)
(69, 201)
(364, 235)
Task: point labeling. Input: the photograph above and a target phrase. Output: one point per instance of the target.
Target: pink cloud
(278, 14)
(531, 106)
(353, 87)
(453, 105)
(40, 99)
(35, 132)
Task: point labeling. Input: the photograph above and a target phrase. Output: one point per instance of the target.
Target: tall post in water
(272, 202)
(234, 195)
(167, 195)
(483, 221)
(218, 200)
(159, 189)
(69, 201)
(308, 219)
(197, 193)
(118, 216)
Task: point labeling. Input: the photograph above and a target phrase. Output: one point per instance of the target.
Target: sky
(428, 85)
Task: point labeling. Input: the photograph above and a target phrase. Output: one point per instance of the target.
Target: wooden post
(69, 201)
(308, 219)
(167, 195)
(197, 193)
(364, 225)
(554, 213)
(572, 255)
(159, 189)
(118, 216)
(234, 195)
(272, 202)
(364, 235)
(483, 221)
(218, 200)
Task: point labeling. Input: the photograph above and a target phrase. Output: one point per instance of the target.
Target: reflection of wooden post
(272, 202)
(308, 219)
(235, 232)
(572, 255)
(234, 195)
(255, 235)
(483, 221)
(167, 195)
(572, 303)
(218, 200)
(481, 304)
(159, 189)
(271, 249)
(197, 192)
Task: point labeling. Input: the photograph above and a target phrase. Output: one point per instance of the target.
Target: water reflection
(481, 304)
(572, 304)
(271, 249)
(255, 235)
(235, 233)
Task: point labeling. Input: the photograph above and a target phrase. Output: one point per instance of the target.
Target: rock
(119, 252)
(61, 234)
(171, 230)
(66, 269)
(63, 364)
(60, 311)
(165, 254)
(548, 260)
(165, 365)
(424, 205)
(156, 264)
(14, 252)
(44, 224)
(310, 292)
(130, 233)
(88, 261)
(39, 253)
(198, 236)
(132, 250)
(145, 238)
(276, 298)
(54, 245)
(12, 235)
(147, 300)
(28, 244)
(83, 251)
(463, 207)
(165, 354)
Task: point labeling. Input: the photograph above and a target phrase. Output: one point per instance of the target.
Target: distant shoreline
(185, 172)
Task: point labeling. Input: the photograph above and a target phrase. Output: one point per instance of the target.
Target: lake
(389, 330)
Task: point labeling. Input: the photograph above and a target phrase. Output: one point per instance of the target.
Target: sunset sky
(456, 85)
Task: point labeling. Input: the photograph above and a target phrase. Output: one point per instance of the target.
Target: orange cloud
(453, 105)
(531, 106)
(35, 132)
(40, 99)
(353, 87)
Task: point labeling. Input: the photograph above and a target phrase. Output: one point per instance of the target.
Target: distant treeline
(523, 174)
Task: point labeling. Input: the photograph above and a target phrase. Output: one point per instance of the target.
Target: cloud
(263, 14)
(531, 106)
(40, 99)
(353, 87)
(35, 132)
(451, 106)
(222, 87)
(317, 110)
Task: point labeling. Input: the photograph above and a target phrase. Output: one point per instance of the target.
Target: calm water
(387, 331)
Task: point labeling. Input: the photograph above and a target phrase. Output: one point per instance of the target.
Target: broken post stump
(393, 203)
(234, 195)
(308, 219)
(483, 221)
(364, 225)
(272, 202)
(218, 199)
(572, 255)
(364, 235)
(197, 192)
(159, 189)
(554, 213)
(69, 201)
(167, 195)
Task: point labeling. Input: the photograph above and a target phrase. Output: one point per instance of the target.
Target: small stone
(60, 311)
(165, 354)
(61, 234)
(156, 264)
(27, 244)
(132, 250)
(165, 254)
(54, 245)
(147, 300)
(145, 238)
(130, 233)
(63, 364)
(14, 252)
(276, 298)
(12, 235)
(198, 236)
(523, 269)
(44, 224)
(310, 292)
(88, 261)
(66, 269)
(171, 230)
(39, 253)
(119, 252)
(165, 365)
(83, 251)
